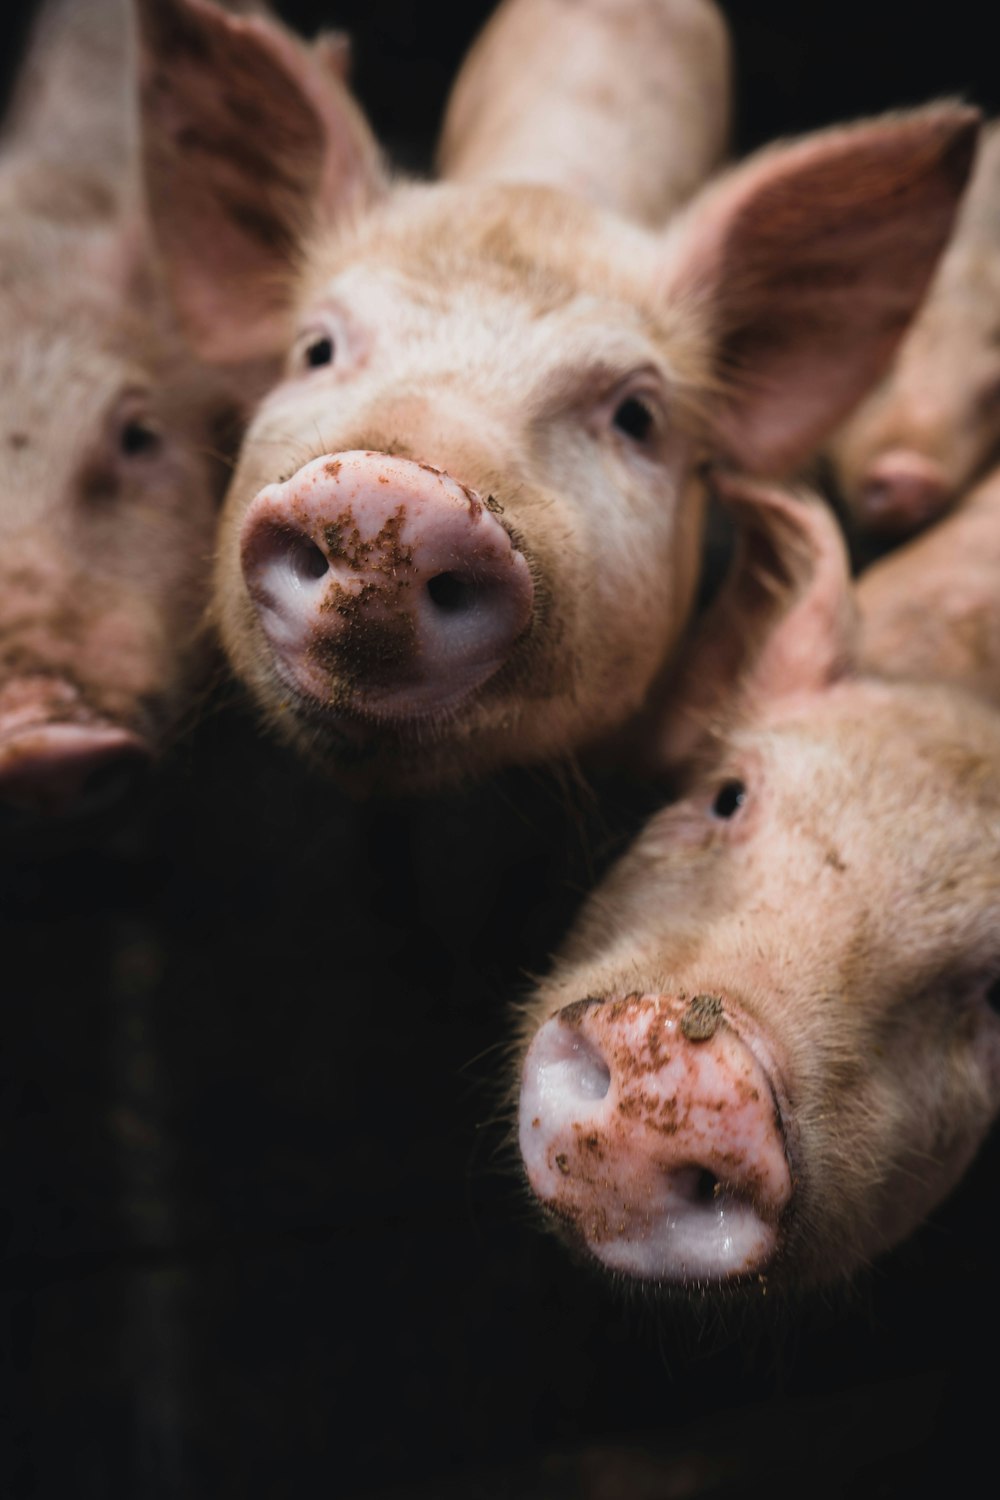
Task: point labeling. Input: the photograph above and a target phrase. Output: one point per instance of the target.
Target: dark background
(266, 1234)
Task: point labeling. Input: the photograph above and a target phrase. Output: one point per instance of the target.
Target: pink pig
(111, 432)
(771, 1044)
(117, 437)
(465, 527)
(933, 426)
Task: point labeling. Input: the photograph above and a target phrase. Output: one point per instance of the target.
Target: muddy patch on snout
(382, 553)
(371, 641)
(369, 650)
(683, 1133)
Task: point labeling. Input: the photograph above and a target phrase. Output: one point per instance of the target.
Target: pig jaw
(652, 1129)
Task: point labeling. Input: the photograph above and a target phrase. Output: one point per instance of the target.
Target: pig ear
(333, 49)
(784, 622)
(249, 140)
(808, 262)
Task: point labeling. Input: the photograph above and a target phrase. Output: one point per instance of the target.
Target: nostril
(570, 1068)
(705, 1186)
(450, 592)
(304, 558)
(590, 1073)
(274, 551)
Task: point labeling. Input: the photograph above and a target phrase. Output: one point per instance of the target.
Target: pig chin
(61, 756)
(376, 743)
(650, 1126)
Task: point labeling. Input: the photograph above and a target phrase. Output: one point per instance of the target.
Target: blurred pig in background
(465, 528)
(772, 1045)
(117, 438)
(933, 426)
(111, 432)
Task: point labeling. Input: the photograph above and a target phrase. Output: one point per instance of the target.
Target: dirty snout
(651, 1128)
(903, 490)
(58, 759)
(384, 586)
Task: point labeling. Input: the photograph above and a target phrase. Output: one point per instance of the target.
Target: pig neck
(931, 611)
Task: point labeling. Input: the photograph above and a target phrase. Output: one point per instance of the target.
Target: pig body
(933, 426)
(563, 369)
(771, 1045)
(109, 429)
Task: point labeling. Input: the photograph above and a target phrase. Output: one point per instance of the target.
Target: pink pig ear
(808, 262)
(783, 624)
(249, 139)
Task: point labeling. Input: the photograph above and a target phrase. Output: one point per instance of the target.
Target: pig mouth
(652, 1131)
(355, 723)
(60, 757)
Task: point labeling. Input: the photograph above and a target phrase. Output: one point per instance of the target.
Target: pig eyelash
(730, 797)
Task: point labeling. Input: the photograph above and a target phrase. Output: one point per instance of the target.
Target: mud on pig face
(769, 1049)
(465, 526)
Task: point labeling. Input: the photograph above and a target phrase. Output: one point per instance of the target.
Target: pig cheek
(623, 603)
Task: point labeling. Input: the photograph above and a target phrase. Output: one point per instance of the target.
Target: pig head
(932, 426)
(771, 1044)
(465, 526)
(109, 429)
(116, 437)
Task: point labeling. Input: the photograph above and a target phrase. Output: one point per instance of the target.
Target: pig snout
(651, 1129)
(902, 491)
(383, 585)
(57, 760)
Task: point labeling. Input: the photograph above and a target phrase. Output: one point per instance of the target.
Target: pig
(929, 610)
(545, 90)
(117, 437)
(465, 526)
(111, 431)
(933, 425)
(771, 1044)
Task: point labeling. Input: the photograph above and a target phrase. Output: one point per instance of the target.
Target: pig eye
(318, 351)
(138, 438)
(729, 799)
(635, 419)
(993, 997)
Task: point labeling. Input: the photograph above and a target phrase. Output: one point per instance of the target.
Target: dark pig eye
(729, 799)
(319, 351)
(993, 996)
(138, 438)
(634, 418)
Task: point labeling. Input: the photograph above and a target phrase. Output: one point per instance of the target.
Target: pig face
(558, 420)
(465, 524)
(109, 431)
(933, 425)
(769, 1048)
